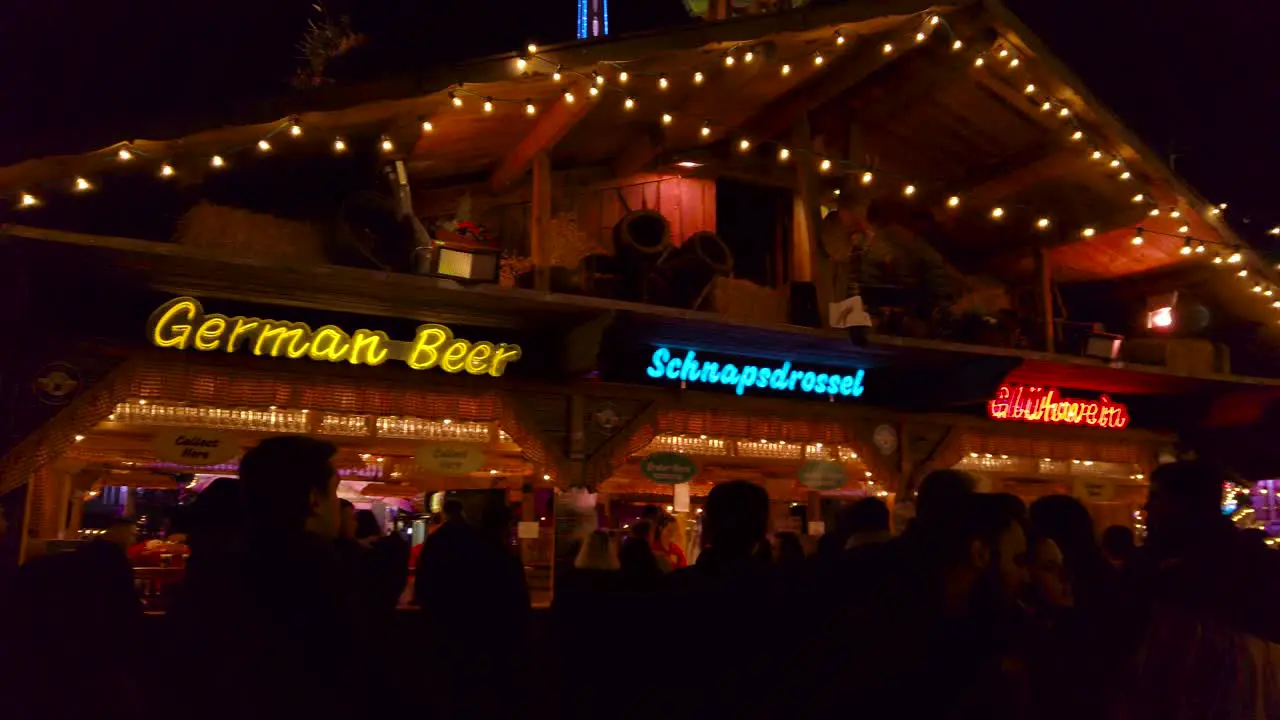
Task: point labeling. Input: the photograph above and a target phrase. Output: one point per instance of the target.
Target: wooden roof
(927, 116)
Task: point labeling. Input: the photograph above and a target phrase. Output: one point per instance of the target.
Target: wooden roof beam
(549, 129)
(1054, 165)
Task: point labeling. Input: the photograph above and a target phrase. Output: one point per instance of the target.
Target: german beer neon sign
(687, 368)
(1041, 405)
(182, 323)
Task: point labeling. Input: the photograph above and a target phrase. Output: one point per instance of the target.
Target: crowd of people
(981, 608)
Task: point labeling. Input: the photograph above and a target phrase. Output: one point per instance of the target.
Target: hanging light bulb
(1042, 223)
(264, 146)
(1186, 248)
(1077, 136)
(387, 145)
(530, 108)
(663, 82)
(997, 213)
(957, 45)
(748, 56)
(839, 38)
(1046, 106)
(1064, 112)
(817, 58)
(920, 37)
(166, 170)
(455, 99)
(887, 49)
(1115, 162)
(1175, 214)
(1030, 88)
(623, 77)
(1004, 53)
(1137, 237)
(1235, 257)
(1126, 175)
(593, 91)
(1097, 155)
(1139, 198)
(27, 200)
(521, 64)
(909, 190)
(295, 129)
(1217, 260)
(783, 154)
(1199, 247)
(629, 103)
(666, 118)
(556, 75)
(427, 126)
(488, 105)
(1184, 229)
(1275, 304)
(1243, 273)
(867, 177)
(1215, 211)
(978, 61)
(532, 48)
(786, 69)
(1256, 288)
(1154, 212)
(953, 201)
(698, 77)
(1014, 63)
(825, 165)
(339, 145)
(597, 77)
(728, 60)
(744, 144)
(934, 19)
(706, 128)
(217, 161)
(81, 185)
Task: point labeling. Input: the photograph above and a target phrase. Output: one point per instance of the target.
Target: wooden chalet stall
(920, 201)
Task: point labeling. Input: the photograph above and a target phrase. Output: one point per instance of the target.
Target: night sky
(1196, 80)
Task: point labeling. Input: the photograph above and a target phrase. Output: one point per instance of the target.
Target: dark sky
(1194, 79)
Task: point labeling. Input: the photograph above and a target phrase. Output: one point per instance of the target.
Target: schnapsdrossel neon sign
(687, 368)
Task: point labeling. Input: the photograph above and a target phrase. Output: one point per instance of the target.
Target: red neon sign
(1040, 405)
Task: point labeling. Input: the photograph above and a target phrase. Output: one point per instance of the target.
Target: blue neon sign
(783, 378)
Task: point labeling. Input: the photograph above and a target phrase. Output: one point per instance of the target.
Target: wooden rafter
(553, 125)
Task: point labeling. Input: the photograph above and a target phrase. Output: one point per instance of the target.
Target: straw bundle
(744, 300)
(233, 232)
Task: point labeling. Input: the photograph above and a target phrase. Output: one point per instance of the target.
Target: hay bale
(744, 300)
(234, 232)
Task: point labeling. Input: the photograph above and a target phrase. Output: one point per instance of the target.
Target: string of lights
(621, 80)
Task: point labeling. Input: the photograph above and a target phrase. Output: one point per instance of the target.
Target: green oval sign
(668, 468)
(822, 475)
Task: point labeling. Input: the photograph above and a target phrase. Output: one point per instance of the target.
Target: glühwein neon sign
(1045, 405)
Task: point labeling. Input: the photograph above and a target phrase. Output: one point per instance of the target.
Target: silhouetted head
(790, 549)
(940, 492)
(736, 517)
(367, 525)
(293, 485)
(1183, 501)
(346, 519)
(217, 514)
(452, 509)
(1066, 521)
(1118, 543)
(869, 514)
(982, 547)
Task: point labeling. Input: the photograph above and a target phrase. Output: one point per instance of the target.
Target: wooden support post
(804, 227)
(1044, 273)
(540, 222)
(813, 507)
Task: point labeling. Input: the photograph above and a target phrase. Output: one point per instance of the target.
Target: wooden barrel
(640, 238)
(683, 276)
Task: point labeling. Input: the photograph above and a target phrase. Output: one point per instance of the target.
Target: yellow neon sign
(182, 323)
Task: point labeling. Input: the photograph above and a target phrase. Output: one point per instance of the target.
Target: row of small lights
(598, 83)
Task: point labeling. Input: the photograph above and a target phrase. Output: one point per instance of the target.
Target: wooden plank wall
(688, 204)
